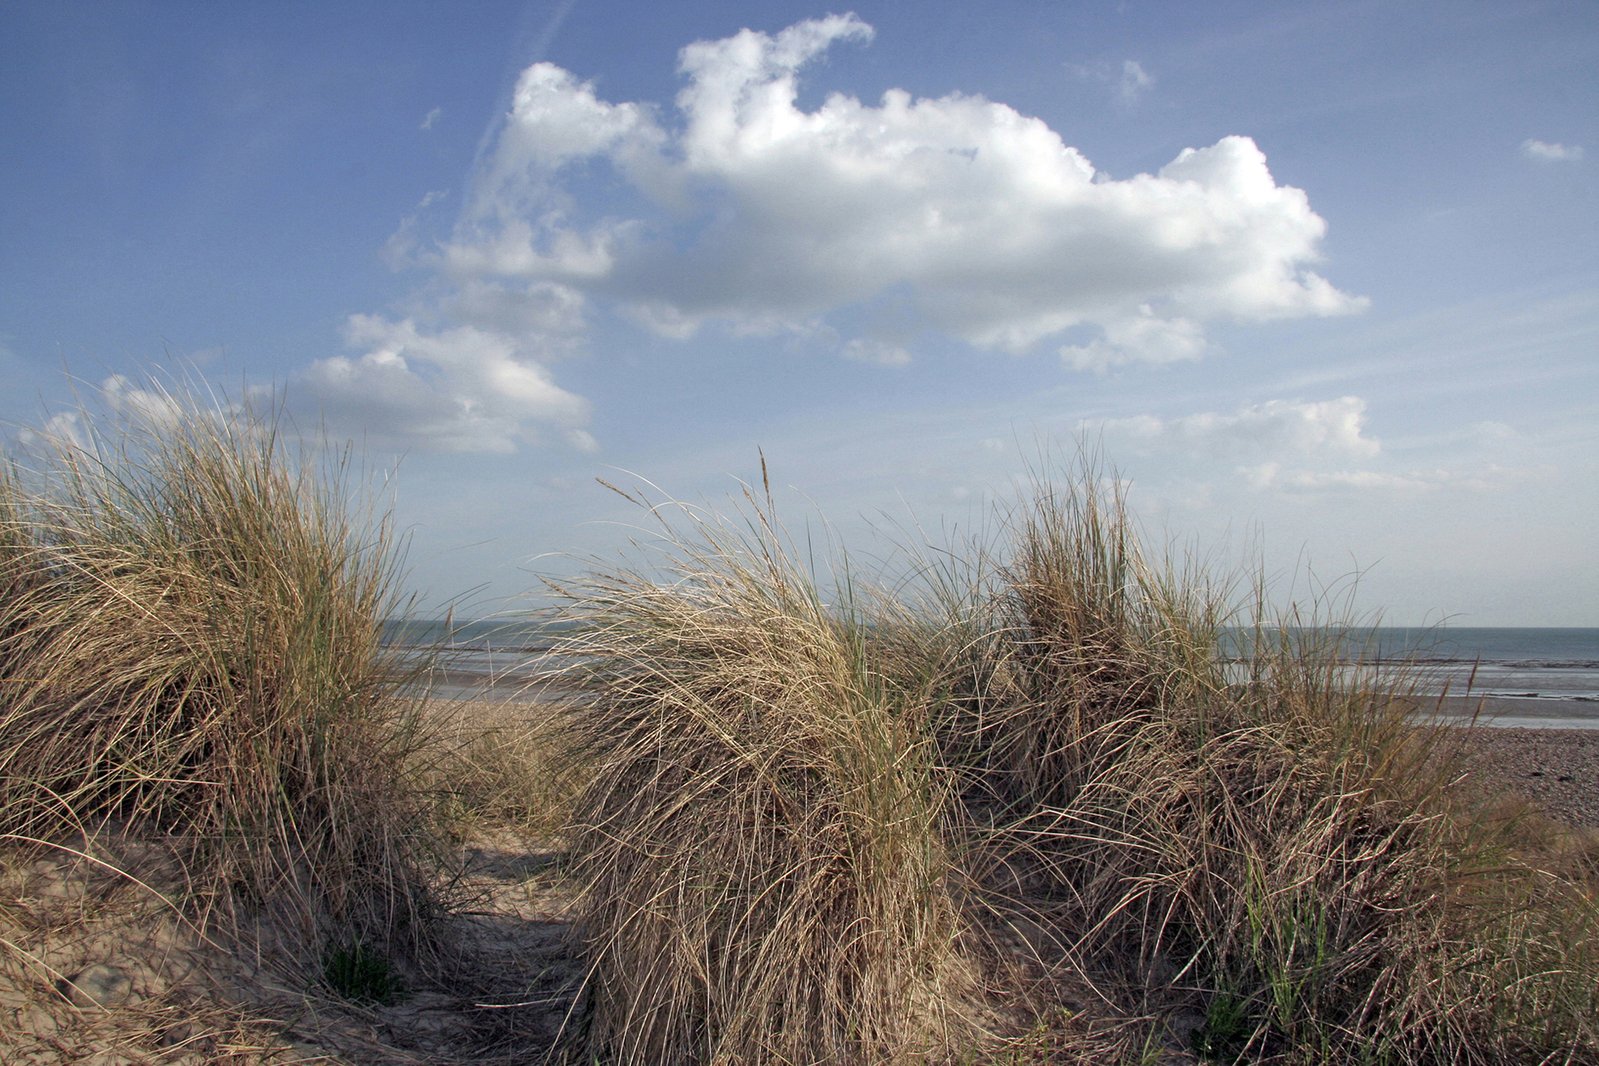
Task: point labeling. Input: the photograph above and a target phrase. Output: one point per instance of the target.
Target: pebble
(1556, 768)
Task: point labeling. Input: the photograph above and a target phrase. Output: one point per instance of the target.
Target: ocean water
(494, 658)
(1546, 677)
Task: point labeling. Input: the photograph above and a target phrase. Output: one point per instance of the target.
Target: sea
(1545, 678)
(486, 658)
(1537, 677)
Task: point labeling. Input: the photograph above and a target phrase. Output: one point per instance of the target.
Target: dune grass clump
(1229, 809)
(18, 567)
(765, 876)
(190, 644)
(815, 818)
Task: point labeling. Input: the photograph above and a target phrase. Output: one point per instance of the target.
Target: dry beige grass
(1275, 846)
(102, 960)
(495, 763)
(189, 644)
(764, 880)
(1051, 803)
(1210, 829)
(229, 823)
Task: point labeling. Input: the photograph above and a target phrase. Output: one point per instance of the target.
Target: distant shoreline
(1484, 712)
(1511, 712)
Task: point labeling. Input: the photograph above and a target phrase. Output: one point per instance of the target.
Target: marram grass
(817, 818)
(765, 880)
(1262, 826)
(189, 643)
(1047, 800)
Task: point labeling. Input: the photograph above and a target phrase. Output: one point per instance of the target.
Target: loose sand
(99, 968)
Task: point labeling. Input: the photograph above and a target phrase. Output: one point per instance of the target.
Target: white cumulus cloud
(1549, 152)
(876, 224)
(1144, 336)
(746, 210)
(459, 389)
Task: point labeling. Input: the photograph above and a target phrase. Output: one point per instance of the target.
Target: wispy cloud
(1274, 477)
(430, 118)
(1272, 428)
(399, 251)
(879, 352)
(1551, 152)
(118, 396)
(1134, 83)
(1294, 448)
(1128, 82)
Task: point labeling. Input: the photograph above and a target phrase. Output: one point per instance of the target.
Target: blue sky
(1320, 278)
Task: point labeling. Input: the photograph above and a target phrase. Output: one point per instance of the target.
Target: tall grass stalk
(189, 642)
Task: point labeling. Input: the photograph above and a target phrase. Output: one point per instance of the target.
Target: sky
(1318, 281)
